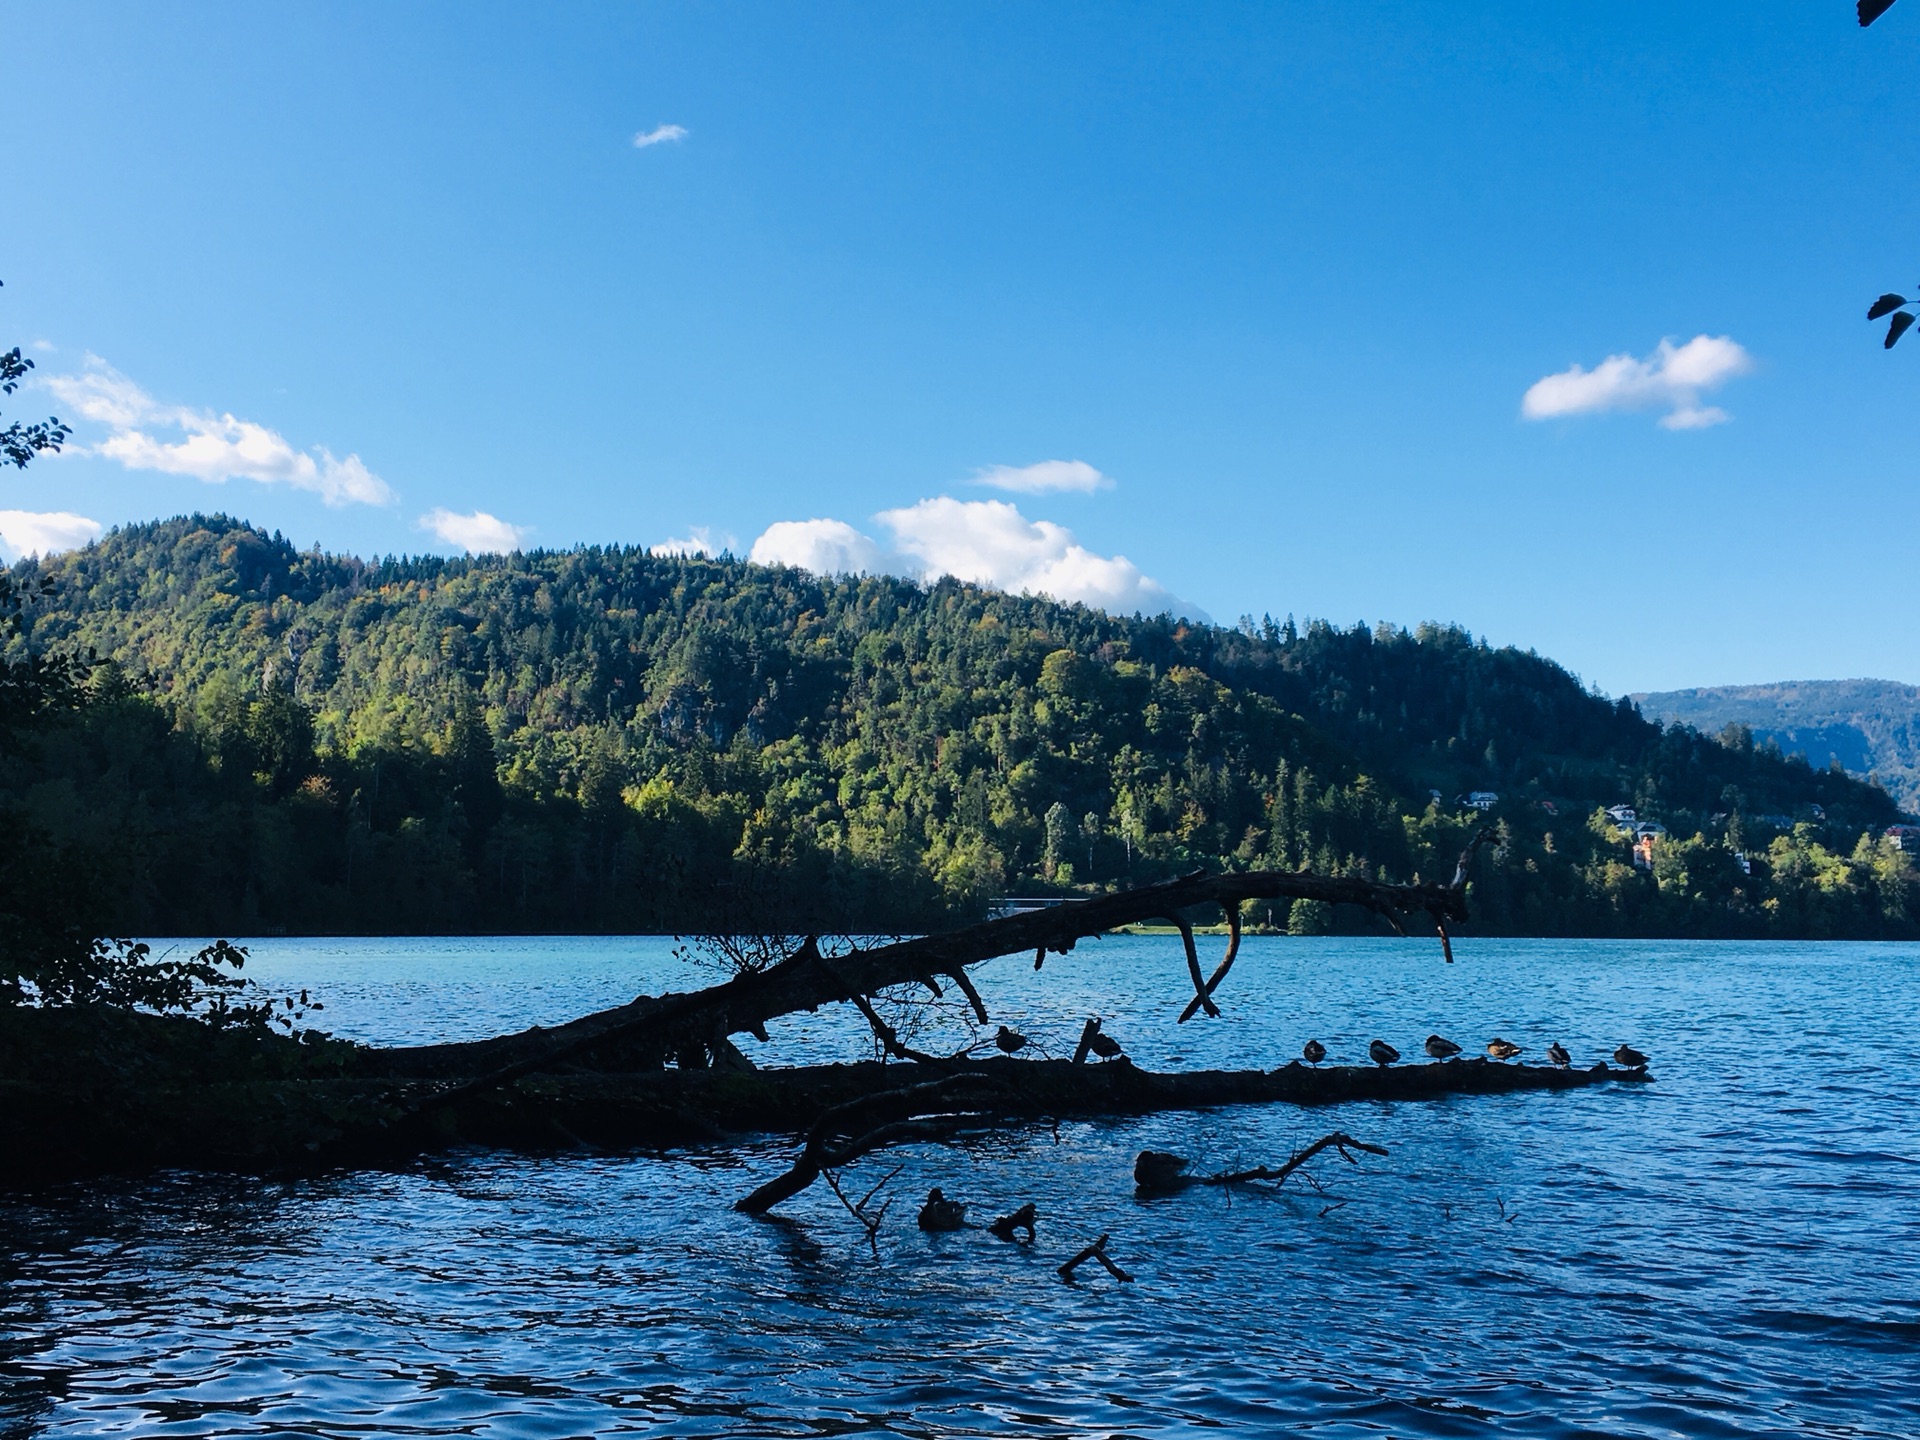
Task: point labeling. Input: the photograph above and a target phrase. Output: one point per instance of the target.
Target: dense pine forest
(603, 739)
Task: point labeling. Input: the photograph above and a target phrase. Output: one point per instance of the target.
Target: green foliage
(606, 739)
(20, 442)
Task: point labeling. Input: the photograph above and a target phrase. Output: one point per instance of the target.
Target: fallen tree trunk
(68, 1116)
(691, 1028)
(320, 1105)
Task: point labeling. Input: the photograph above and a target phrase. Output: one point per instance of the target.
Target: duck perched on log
(1313, 1052)
(1504, 1049)
(1441, 1048)
(1557, 1053)
(1381, 1053)
(1631, 1058)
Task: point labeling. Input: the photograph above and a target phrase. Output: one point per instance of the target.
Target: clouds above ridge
(210, 448)
(1673, 378)
(45, 532)
(984, 542)
(476, 532)
(826, 547)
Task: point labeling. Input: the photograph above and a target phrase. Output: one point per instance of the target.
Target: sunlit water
(1731, 1250)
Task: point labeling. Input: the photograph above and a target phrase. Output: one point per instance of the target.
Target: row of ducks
(1441, 1048)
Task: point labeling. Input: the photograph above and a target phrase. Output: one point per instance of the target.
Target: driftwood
(1155, 1172)
(1007, 1226)
(1096, 1251)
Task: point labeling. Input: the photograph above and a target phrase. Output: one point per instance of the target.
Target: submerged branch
(1155, 1172)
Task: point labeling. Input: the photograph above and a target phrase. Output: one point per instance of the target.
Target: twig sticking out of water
(862, 1209)
(1096, 1251)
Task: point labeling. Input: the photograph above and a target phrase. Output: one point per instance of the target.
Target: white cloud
(1045, 477)
(477, 533)
(1671, 378)
(660, 135)
(984, 542)
(1694, 417)
(700, 540)
(826, 547)
(102, 393)
(989, 542)
(45, 532)
(211, 448)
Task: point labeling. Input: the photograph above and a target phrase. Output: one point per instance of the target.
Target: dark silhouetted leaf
(1870, 11)
(1886, 305)
(1898, 327)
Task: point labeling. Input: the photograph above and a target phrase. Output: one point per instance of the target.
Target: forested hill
(605, 739)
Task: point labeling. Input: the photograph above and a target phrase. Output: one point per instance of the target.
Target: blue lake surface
(1731, 1250)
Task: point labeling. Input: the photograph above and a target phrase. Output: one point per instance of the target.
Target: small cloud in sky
(1672, 378)
(1045, 478)
(984, 542)
(660, 135)
(177, 440)
(45, 347)
(45, 532)
(476, 532)
(700, 540)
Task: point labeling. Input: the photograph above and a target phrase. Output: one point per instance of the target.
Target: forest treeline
(604, 739)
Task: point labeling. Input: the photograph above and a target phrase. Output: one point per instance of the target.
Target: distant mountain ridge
(1872, 727)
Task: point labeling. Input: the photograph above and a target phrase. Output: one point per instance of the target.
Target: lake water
(1731, 1250)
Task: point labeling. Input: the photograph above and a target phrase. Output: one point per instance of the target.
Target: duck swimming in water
(1503, 1049)
(1382, 1053)
(1557, 1053)
(940, 1213)
(1631, 1058)
(1314, 1052)
(1441, 1048)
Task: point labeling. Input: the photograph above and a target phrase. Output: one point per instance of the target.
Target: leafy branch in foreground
(47, 957)
(1896, 306)
(20, 443)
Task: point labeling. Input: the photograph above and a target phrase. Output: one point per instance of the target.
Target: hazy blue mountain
(1872, 727)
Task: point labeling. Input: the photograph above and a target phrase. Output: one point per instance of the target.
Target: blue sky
(1268, 285)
